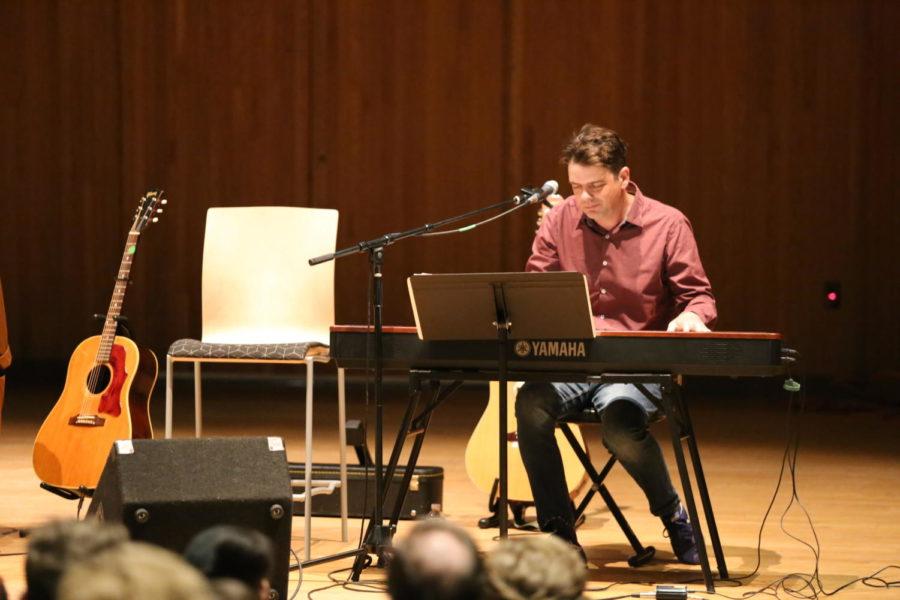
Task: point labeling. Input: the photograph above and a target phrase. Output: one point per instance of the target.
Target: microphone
(550, 187)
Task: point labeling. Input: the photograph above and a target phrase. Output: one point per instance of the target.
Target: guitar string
(94, 377)
(95, 370)
(108, 340)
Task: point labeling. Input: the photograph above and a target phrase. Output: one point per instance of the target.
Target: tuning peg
(159, 211)
(156, 219)
(164, 201)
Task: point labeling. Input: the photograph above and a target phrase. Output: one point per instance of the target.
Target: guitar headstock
(148, 208)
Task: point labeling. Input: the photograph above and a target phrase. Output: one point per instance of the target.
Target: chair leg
(198, 402)
(642, 554)
(170, 364)
(307, 490)
(342, 439)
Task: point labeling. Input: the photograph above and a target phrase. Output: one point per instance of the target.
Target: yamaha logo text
(555, 349)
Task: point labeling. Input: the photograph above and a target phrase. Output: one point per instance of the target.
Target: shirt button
(602, 316)
(603, 291)
(605, 263)
(606, 236)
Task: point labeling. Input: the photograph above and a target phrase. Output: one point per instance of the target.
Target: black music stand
(502, 306)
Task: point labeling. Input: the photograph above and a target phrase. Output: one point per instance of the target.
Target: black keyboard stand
(672, 404)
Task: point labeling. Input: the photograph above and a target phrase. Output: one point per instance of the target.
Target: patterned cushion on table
(196, 349)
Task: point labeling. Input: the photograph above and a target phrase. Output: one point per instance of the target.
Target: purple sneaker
(681, 534)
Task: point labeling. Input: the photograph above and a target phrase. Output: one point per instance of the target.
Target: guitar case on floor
(426, 488)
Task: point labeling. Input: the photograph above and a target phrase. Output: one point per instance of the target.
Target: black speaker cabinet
(167, 491)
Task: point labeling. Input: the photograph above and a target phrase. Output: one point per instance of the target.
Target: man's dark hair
(58, 545)
(232, 552)
(595, 145)
(436, 561)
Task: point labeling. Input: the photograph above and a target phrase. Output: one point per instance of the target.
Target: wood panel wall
(772, 125)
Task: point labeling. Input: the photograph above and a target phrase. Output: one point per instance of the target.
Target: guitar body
(483, 452)
(98, 405)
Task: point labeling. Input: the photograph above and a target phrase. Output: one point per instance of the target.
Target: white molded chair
(263, 303)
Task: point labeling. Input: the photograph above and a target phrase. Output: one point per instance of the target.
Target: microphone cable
(468, 228)
(529, 196)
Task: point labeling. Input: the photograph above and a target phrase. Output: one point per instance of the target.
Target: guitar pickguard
(110, 401)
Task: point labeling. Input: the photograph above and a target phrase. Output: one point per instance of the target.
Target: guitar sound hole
(98, 379)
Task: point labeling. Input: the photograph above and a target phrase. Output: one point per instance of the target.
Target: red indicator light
(832, 294)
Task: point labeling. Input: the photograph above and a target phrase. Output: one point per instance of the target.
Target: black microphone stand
(377, 535)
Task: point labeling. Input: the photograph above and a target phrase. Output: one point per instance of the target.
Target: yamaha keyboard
(734, 354)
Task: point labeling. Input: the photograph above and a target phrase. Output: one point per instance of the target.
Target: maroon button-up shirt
(642, 274)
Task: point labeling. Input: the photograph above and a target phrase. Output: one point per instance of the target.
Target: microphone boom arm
(389, 238)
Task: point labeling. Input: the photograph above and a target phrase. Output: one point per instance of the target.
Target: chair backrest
(258, 287)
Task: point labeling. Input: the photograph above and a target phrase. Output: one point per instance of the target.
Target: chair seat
(188, 348)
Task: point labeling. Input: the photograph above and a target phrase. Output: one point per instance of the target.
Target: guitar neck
(118, 297)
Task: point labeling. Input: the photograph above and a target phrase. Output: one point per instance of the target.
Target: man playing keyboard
(644, 273)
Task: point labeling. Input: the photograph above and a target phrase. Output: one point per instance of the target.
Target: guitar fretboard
(118, 296)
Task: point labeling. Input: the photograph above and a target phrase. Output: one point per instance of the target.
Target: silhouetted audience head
(225, 588)
(136, 571)
(535, 568)
(59, 545)
(226, 551)
(436, 561)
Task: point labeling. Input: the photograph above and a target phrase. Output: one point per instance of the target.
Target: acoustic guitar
(483, 453)
(106, 396)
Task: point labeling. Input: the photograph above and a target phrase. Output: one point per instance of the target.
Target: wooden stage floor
(848, 479)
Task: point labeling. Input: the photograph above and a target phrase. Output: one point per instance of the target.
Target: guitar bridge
(87, 421)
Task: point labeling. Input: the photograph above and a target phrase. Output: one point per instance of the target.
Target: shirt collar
(635, 214)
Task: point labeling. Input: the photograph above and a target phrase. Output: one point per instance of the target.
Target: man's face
(600, 193)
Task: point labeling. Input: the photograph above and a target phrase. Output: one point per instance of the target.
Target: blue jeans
(625, 413)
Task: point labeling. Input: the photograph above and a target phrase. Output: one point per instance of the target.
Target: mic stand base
(378, 536)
